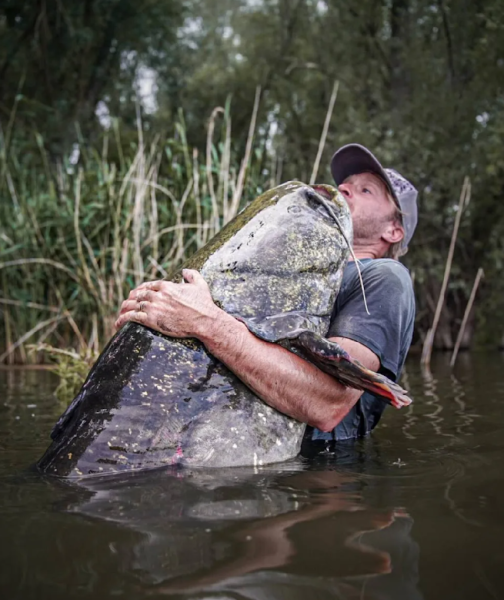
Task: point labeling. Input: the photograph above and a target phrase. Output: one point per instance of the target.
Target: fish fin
(331, 358)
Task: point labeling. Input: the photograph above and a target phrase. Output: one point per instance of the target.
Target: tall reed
(77, 235)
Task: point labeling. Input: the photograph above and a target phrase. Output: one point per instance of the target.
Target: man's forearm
(282, 379)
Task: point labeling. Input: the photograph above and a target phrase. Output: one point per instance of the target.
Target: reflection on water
(213, 531)
(414, 511)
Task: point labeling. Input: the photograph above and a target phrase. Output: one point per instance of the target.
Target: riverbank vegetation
(130, 132)
(82, 232)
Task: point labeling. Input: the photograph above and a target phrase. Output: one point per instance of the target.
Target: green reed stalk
(75, 238)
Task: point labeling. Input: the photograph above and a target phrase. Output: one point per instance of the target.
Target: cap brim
(353, 159)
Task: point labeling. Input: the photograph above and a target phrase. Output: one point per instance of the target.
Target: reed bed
(77, 235)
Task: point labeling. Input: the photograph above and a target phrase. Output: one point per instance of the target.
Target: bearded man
(384, 215)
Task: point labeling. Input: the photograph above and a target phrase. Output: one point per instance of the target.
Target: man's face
(371, 209)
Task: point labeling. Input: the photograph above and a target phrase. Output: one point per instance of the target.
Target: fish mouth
(331, 193)
(328, 192)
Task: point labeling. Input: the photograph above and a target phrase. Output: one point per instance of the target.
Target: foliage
(71, 367)
(59, 59)
(421, 84)
(76, 238)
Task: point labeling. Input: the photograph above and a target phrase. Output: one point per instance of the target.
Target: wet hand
(175, 309)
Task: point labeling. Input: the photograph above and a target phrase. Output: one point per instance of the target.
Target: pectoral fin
(294, 331)
(331, 358)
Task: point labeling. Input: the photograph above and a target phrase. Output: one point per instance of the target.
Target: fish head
(285, 253)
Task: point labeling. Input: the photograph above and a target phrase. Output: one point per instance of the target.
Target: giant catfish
(151, 400)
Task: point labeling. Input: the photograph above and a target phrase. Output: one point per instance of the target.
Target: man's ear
(394, 233)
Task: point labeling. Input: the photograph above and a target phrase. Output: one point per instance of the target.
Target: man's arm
(282, 379)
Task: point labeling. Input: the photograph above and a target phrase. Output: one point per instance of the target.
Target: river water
(414, 511)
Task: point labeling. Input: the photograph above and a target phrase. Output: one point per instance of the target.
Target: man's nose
(346, 189)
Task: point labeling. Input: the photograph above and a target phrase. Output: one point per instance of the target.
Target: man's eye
(366, 190)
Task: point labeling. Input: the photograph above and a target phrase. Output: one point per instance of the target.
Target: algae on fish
(152, 400)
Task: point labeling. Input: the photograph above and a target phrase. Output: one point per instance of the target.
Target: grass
(76, 236)
(71, 368)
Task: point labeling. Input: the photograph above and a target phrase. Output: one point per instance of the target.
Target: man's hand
(175, 309)
(282, 379)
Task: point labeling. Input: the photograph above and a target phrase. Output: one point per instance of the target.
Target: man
(384, 215)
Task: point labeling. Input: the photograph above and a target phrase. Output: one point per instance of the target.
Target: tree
(60, 58)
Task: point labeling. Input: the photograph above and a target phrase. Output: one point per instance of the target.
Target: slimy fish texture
(151, 400)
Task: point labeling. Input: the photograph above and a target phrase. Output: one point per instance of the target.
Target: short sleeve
(388, 328)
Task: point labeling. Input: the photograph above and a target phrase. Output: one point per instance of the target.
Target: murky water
(414, 511)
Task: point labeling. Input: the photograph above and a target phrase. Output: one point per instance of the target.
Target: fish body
(151, 400)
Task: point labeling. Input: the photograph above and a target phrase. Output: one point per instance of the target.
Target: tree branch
(17, 46)
(449, 47)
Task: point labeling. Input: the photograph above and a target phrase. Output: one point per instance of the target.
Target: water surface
(413, 511)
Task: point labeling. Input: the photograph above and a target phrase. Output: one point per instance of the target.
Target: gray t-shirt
(386, 331)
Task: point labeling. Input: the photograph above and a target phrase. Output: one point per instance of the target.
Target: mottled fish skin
(151, 400)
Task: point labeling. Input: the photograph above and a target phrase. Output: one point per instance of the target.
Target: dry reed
(81, 236)
(465, 197)
(465, 318)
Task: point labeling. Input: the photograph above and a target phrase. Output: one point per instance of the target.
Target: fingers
(142, 292)
(153, 286)
(193, 276)
(144, 295)
(131, 315)
(176, 303)
(131, 307)
(188, 275)
(134, 305)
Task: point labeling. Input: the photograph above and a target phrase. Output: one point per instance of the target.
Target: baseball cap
(354, 158)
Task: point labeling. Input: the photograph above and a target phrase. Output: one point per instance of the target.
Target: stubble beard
(366, 230)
